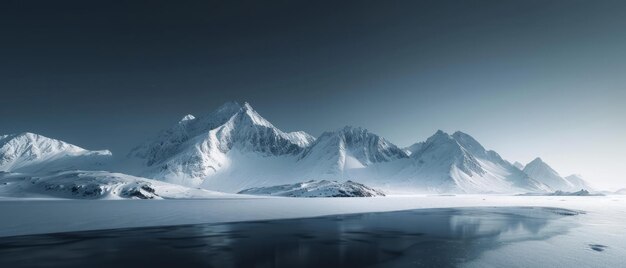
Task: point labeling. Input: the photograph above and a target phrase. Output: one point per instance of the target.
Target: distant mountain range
(542, 172)
(234, 148)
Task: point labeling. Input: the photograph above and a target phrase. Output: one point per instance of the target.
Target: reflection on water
(432, 237)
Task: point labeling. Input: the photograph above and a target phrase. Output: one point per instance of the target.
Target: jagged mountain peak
(22, 134)
(536, 161)
(542, 172)
(12, 145)
(233, 111)
(36, 143)
(458, 139)
(440, 134)
(232, 108)
(190, 152)
(253, 117)
(31, 136)
(443, 149)
(231, 119)
(538, 165)
(458, 162)
(33, 152)
(439, 140)
(247, 105)
(469, 143)
(360, 143)
(335, 154)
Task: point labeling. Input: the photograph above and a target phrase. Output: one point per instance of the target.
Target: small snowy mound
(78, 184)
(323, 188)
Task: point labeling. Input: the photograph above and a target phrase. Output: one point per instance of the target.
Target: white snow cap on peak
(536, 161)
(439, 135)
(32, 152)
(187, 118)
(247, 106)
(255, 117)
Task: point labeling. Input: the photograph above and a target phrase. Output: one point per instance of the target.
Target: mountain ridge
(234, 148)
(30, 152)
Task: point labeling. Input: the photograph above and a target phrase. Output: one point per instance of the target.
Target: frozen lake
(462, 231)
(416, 238)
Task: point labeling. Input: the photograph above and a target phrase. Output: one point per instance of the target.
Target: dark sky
(527, 78)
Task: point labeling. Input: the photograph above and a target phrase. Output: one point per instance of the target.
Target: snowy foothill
(29, 152)
(79, 184)
(312, 188)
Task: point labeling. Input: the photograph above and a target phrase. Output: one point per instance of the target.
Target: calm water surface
(415, 238)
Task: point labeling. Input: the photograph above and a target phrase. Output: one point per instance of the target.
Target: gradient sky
(526, 78)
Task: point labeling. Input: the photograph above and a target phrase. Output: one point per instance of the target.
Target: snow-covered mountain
(581, 192)
(323, 188)
(234, 148)
(459, 163)
(414, 148)
(28, 152)
(334, 153)
(76, 184)
(518, 165)
(578, 182)
(542, 172)
(198, 148)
